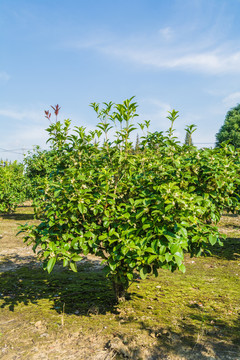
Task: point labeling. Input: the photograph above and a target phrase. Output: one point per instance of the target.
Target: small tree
(140, 211)
(189, 131)
(188, 139)
(13, 186)
(230, 131)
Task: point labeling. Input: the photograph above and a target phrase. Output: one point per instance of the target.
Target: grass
(195, 315)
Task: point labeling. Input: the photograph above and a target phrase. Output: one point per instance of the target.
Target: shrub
(13, 186)
(139, 210)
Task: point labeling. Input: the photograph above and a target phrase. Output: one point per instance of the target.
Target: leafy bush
(13, 185)
(139, 210)
(39, 165)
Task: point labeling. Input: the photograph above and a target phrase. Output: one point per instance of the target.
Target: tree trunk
(120, 291)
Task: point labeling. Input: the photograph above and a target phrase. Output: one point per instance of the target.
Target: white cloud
(232, 99)
(19, 115)
(215, 61)
(203, 54)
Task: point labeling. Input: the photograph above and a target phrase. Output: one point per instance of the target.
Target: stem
(119, 291)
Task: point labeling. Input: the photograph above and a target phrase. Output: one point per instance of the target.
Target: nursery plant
(138, 208)
(13, 186)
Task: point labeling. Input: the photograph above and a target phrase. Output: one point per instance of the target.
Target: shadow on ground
(17, 216)
(229, 251)
(81, 293)
(24, 212)
(13, 261)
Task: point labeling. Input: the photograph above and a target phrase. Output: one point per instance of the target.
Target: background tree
(231, 128)
(188, 139)
(137, 143)
(189, 131)
(13, 186)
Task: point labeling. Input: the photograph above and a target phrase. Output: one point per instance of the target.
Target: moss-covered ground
(64, 315)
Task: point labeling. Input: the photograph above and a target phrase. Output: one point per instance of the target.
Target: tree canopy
(231, 128)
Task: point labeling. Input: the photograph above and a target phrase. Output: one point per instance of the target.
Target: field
(64, 315)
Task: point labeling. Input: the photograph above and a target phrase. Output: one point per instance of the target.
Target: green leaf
(140, 214)
(168, 207)
(143, 273)
(81, 208)
(168, 257)
(106, 223)
(65, 262)
(182, 268)
(75, 243)
(73, 266)
(50, 264)
(88, 234)
(152, 258)
(111, 232)
(178, 260)
(130, 276)
(161, 258)
(76, 258)
(162, 249)
(183, 231)
(51, 246)
(132, 264)
(112, 265)
(124, 250)
(56, 193)
(103, 236)
(150, 250)
(212, 239)
(95, 211)
(175, 248)
(85, 249)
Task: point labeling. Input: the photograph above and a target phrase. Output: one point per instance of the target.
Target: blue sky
(181, 54)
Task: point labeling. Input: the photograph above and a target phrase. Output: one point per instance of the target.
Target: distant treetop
(231, 128)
